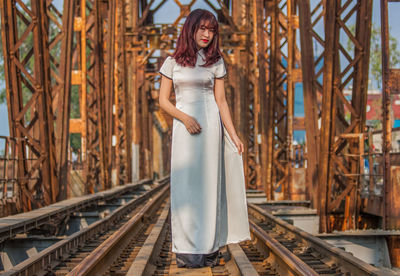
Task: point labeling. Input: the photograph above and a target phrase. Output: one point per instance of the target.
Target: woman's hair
(186, 52)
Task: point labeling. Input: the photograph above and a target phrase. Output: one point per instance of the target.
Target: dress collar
(201, 53)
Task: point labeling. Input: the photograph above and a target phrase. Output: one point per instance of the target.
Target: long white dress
(208, 198)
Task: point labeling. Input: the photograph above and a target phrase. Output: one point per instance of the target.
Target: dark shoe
(212, 259)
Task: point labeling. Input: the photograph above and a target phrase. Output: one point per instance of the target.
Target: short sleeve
(220, 70)
(167, 68)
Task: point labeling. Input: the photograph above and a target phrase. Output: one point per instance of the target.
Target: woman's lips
(204, 40)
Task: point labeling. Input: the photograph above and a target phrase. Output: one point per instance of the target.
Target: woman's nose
(206, 32)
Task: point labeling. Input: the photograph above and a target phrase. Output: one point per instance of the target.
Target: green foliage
(75, 110)
(376, 54)
(75, 141)
(375, 62)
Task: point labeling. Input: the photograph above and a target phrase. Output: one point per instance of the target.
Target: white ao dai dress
(208, 198)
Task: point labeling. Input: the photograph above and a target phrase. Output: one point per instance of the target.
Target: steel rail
(104, 255)
(59, 251)
(242, 264)
(288, 263)
(347, 262)
(142, 265)
(24, 222)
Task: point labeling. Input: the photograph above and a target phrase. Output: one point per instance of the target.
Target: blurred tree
(375, 61)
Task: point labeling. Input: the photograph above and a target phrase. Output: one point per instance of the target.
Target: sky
(170, 11)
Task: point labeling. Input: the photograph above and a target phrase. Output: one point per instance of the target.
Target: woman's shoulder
(219, 68)
(167, 67)
(170, 59)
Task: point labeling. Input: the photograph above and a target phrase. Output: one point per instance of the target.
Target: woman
(208, 204)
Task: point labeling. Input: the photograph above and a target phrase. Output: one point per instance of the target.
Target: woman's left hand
(238, 144)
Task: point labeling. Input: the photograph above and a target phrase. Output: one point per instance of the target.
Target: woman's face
(204, 35)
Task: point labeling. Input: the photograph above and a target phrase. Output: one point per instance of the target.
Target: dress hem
(214, 249)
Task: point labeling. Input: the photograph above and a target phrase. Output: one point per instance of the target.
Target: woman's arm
(165, 90)
(219, 92)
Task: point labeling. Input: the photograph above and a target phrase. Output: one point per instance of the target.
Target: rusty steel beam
(293, 73)
(60, 48)
(94, 74)
(261, 88)
(251, 129)
(29, 98)
(341, 146)
(386, 120)
(95, 173)
(133, 87)
(122, 102)
(141, 119)
(284, 71)
(79, 82)
(107, 15)
(390, 86)
(80, 76)
(241, 83)
(310, 90)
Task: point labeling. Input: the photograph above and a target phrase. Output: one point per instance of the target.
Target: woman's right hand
(192, 125)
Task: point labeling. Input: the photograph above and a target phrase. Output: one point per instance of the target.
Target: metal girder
(240, 55)
(341, 150)
(28, 83)
(92, 94)
(107, 21)
(310, 18)
(122, 102)
(260, 112)
(386, 120)
(283, 71)
(141, 119)
(390, 86)
(100, 72)
(252, 129)
(60, 50)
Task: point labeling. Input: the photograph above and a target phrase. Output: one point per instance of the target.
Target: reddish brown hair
(186, 52)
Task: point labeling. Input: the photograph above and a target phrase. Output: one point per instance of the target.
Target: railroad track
(135, 239)
(310, 254)
(138, 248)
(145, 249)
(68, 250)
